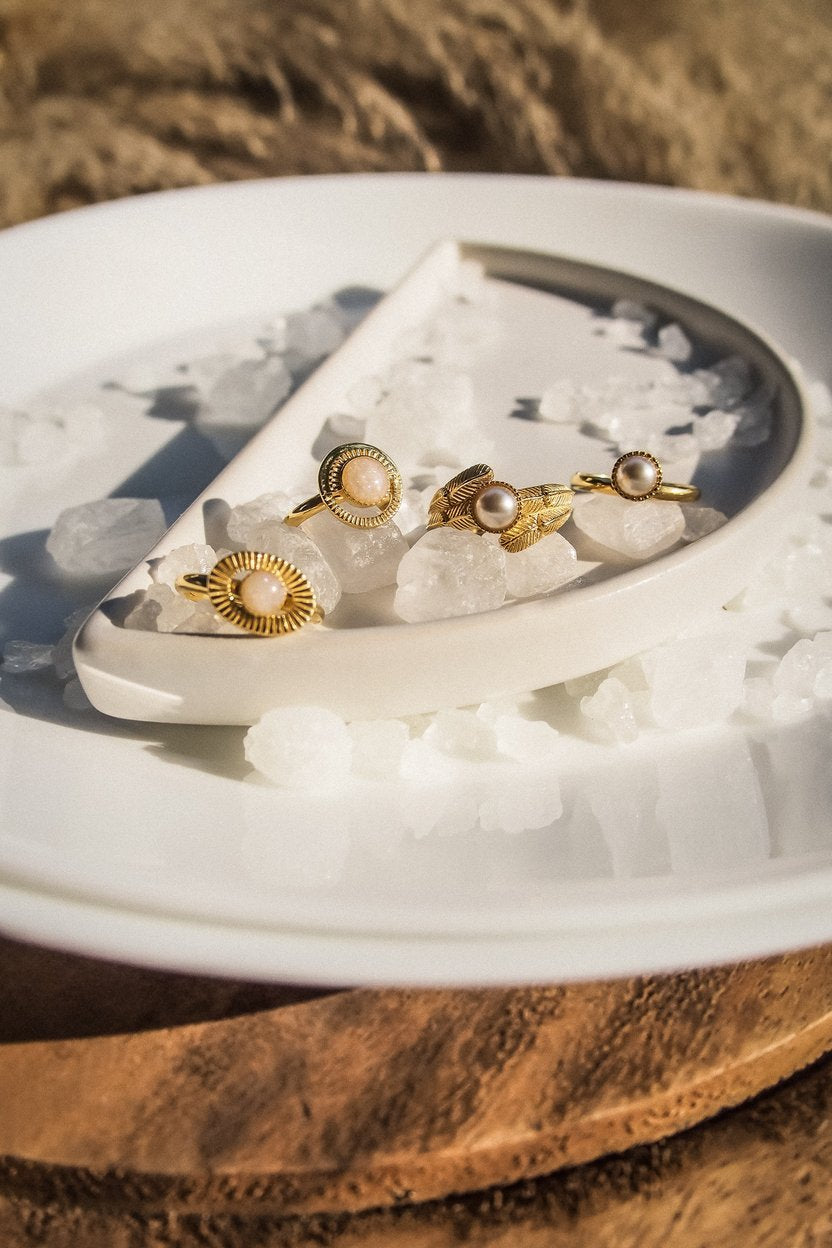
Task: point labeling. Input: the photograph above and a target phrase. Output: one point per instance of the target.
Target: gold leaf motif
(462, 488)
(464, 521)
(513, 541)
(537, 498)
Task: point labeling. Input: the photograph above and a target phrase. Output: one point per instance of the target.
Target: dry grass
(101, 98)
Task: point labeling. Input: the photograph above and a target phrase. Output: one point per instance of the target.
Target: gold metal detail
(542, 509)
(221, 586)
(665, 491)
(333, 497)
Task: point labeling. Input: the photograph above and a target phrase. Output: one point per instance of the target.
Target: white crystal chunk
(462, 734)
(449, 573)
(638, 530)
(105, 537)
(378, 747)
(544, 567)
(695, 681)
(530, 741)
(361, 559)
(196, 558)
(26, 656)
(611, 710)
(300, 746)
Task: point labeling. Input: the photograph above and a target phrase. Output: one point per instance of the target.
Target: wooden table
(140, 1109)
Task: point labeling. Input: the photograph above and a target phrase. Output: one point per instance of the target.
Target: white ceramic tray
(365, 663)
(140, 841)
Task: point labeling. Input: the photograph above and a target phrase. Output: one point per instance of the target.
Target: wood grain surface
(134, 1102)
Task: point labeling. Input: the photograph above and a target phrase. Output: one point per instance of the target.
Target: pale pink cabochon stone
(262, 593)
(365, 480)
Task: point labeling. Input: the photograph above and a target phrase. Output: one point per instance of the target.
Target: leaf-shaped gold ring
(475, 502)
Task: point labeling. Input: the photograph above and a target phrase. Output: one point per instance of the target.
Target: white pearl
(365, 480)
(636, 476)
(262, 593)
(495, 508)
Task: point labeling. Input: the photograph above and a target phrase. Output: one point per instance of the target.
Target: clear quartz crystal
(461, 733)
(699, 521)
(546, 566)
(26, 656)
(674, 344)
(246, 394)
(411, 419)
(362, 559)
(695, 681)
(612, 712)
(525, 740)
(638, 530)
(449, 573)
(196, 558)
(378, 747)
(105, 537)
(299, 747)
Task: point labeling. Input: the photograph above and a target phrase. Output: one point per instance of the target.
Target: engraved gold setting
(540, 510)
(636, 476)
(221, 586)
(332, 495)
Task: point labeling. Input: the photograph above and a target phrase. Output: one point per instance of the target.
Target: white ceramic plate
(139, 842)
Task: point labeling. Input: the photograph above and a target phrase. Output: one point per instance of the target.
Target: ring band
(474, 502)
(358, 483)
(256, 591)
(636, 476)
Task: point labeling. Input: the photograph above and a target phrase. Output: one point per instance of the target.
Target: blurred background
(105, 98)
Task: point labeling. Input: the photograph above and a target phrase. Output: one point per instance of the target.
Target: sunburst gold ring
(636, 476)
(256, 591)
(358, 483)
(475, 502)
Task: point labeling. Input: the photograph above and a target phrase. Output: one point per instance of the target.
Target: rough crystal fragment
(808, 663)
(461, 733)
(378, 747)
(631, 310)
(674, 344)
(246, 518)
(560, 403)
(638, 530)
(695, 680)
(715, 429)
(196, 558)
(246, 394)
(411, 419)
(362, 559)
(26, 656)
(530, 741)
(105, 537)
(611, 710)
(718, 826)
(727, 382)
(297, 746)
(546, 566)
(699, 521)
(449, 573)
(62, 657)
(312, 335)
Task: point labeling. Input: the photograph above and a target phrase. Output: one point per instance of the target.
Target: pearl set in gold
(362, 487)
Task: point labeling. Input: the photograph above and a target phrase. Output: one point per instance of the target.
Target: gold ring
(475, 502)
(636, 476)
(358, 483)
(256, 591)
